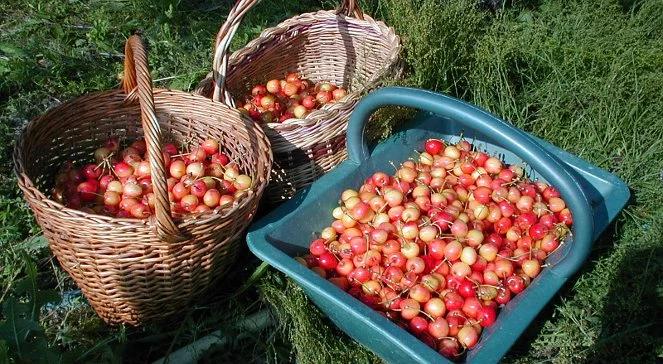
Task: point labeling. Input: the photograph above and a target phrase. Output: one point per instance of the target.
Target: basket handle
(137, 84)
(513, 139)
(227, 32)
(351, 8)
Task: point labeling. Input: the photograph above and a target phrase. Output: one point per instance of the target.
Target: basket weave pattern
(345, 47)
(133, 271)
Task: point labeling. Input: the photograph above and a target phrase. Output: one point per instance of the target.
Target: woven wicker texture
(345, 47)
(134, 271)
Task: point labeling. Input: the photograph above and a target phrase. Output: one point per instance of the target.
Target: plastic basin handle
(511, 138)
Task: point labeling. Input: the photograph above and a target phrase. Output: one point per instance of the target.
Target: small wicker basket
(345, 47)
(134, 271)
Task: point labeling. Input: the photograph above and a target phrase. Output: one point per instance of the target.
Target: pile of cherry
(119, 182)
(440, 246)
(294, 97)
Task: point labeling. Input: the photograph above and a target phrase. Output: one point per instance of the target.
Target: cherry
(318, 247)
(358, 245)
(435, 307)
(409, 308)
(456, 320)
(420, 293)
(515, 283)
(453, 301)
(434, 146)
(449, 348)
(483, 194)
(468, 336)
(503, 296)
(91, 171)
(198, 188)
(327, 261)
(466, 289)
(220, 158)
(538, 231)
(112, 144)
(418, 325)
(211, 198)
(427, 339)
(189, 203)
(360, 275)
(531, 267)
(140, 211)
(471, 306)
(486, 316)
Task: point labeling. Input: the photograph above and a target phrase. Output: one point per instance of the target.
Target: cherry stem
(439, 265)
(427, 315)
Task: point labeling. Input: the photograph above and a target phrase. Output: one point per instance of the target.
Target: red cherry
(220, 158)
(456, 320)
(515, 283)
(91, 171)
(453, 301)
(449, 348)
(327, 261)
(525, 220)
(436, 248)
(503, 296)
(401, 185)
(550, 192)
(538, 231)
(311, 261)
(502, 225)
(495, 239)
(88, 190)
(434, 146)
(486, 316)
(318, 247)
(471, 307)
(396, 259)
(483, 194)
(113, 144)
(548, 220)
(528, 189)
(309, 102)
(258, 90)
(418, 325)
(198, 188)
(105, 180)
(466, 289)
(380, 179)
(360, 275)
(170, 149)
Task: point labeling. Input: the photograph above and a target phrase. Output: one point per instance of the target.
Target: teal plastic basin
(594, 196)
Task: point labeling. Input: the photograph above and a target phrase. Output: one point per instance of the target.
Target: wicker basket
(345, 47)
(134, 271)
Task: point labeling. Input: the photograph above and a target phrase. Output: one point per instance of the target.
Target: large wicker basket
(345, 47)
(133, 271)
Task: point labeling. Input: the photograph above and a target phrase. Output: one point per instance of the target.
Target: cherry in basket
(119, 183)
(292, 97)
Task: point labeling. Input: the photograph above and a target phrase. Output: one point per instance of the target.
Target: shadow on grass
(523, 345)
(630, 327)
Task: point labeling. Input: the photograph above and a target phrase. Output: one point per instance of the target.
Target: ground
(585, 75)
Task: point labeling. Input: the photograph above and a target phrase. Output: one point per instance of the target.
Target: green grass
(585, 74)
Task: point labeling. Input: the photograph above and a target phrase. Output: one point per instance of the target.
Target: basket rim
(319, 115)
(182, 220)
